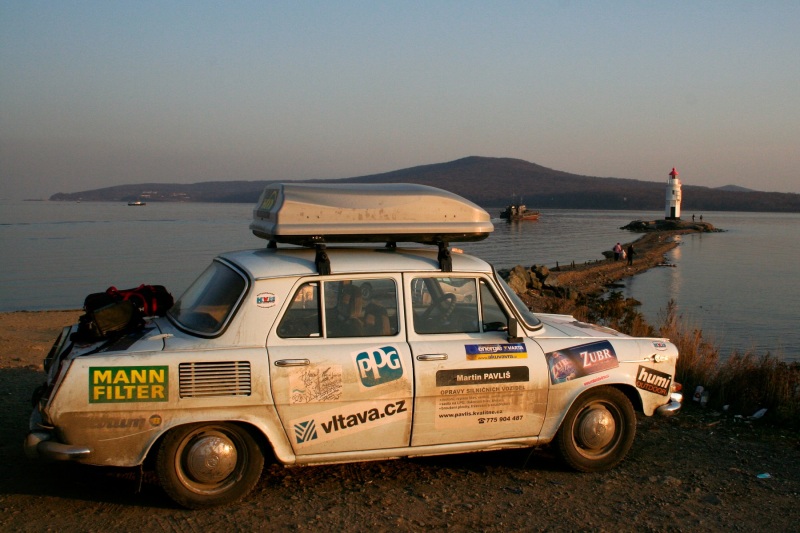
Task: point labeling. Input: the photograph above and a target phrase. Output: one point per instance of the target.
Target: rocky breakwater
(531, 284)
(670, 225)
(539, 285)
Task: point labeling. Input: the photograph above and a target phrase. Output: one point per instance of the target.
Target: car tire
(206, 465)
(598, 430)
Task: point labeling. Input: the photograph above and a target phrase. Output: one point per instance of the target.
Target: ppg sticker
(378, 366)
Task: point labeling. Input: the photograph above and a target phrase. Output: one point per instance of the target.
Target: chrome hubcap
(210, 458)
(595, 428)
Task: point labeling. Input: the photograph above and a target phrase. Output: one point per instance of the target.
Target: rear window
(209, 302)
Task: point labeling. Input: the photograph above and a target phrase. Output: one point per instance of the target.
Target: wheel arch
(264, 443)
(630, 391)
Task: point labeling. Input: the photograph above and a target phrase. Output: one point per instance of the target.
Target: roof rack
(315, 215)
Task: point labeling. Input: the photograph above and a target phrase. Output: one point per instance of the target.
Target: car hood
(569, 326)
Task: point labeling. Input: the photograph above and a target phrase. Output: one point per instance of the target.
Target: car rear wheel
(598, 430)
(205, 465)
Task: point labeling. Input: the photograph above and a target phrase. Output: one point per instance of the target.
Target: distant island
(487, 181)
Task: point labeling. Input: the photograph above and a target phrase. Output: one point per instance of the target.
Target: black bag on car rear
(115, 312)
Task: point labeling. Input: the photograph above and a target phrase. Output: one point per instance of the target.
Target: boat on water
(137, 203)
(518, 212)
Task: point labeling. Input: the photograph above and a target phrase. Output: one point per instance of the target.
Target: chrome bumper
(38, 445)
(673, 406)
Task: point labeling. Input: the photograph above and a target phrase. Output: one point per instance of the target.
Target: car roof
(296, 261)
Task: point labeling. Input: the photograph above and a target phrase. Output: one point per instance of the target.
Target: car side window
(360, 308)
(493, 318)
(302, 317)
(445, 305)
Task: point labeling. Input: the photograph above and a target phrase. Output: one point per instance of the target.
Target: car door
(340, 368)
(472, 383)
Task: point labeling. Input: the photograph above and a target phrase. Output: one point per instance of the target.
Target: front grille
(226, 378)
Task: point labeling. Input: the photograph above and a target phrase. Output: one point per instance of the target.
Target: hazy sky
(101, 93)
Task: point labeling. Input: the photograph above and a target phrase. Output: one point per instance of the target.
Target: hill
(486, 181)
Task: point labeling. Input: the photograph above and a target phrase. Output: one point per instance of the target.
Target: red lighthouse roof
(674, 173)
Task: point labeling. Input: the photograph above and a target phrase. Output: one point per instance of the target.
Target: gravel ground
(697, 471)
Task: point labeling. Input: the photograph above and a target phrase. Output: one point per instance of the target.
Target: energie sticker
(496, 351)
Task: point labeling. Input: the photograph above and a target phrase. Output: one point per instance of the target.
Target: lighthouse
(673, 207)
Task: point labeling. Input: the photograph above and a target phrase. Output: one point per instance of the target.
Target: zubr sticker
(578, 361)
(378, 366)
(265, 299)
(653, 380)
(477, 352)
(121, 384)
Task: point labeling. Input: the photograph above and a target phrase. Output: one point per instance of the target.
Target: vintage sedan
(311, 350)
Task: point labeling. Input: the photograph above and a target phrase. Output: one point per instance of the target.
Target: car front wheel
(205, 465)
(598, 430)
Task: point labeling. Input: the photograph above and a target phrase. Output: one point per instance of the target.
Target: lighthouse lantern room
(673, 206)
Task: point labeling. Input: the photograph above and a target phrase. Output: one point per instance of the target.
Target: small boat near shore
(518, 212)
(137, 203)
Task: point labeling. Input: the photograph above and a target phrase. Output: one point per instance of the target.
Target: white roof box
(314, 213)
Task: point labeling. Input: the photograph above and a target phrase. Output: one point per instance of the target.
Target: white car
(310, 352)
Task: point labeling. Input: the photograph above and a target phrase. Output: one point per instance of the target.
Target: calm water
(741, 285)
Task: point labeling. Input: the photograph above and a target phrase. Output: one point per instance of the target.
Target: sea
(741, 286)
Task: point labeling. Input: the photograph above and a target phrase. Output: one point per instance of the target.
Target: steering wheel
(445, 305)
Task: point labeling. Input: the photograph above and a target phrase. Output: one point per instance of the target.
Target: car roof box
(314, 213)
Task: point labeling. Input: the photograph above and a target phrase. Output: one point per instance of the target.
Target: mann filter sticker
(377, 366)
(481, 376)
(477, 352)
(578, 361)
(265, 299)
(121, 384)
(315, 384)
(347, 420)
(653, 380)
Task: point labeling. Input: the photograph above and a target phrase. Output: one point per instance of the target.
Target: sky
(102, 93)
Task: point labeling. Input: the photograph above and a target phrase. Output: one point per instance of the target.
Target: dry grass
(745, 382)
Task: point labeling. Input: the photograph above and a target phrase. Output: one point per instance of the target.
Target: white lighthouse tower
(673, 207)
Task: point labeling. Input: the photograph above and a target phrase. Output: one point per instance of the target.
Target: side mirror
(513, 330)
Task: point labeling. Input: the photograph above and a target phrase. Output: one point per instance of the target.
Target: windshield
(527, 316)
(208, 303)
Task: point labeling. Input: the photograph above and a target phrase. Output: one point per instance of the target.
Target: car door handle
(432, 357)
(292, 362)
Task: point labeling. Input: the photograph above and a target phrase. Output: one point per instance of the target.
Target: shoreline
(26, 336)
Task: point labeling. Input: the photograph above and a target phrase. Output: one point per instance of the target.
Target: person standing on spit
(630, 254)
(617, 251)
